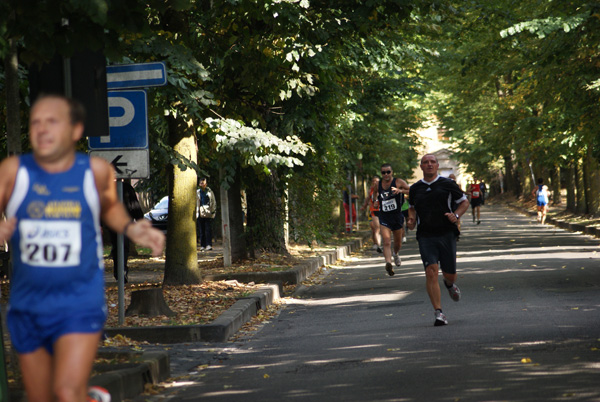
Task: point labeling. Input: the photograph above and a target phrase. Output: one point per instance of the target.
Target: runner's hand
(7, 228)
(141, 232)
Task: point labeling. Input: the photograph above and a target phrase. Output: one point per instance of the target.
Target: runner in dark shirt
(431, 212)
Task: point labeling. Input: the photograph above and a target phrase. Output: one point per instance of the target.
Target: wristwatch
(457, 217)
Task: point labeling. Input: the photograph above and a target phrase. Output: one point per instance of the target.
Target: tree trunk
(236, 221)
(265, 216)
(181, 265)
(148, 303)
(592, 188)
(13, 112)
(510, 182)
(570, 184)
(556, 199)
(580, 184)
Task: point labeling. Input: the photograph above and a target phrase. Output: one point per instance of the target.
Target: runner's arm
(114, 214)
(8, 175)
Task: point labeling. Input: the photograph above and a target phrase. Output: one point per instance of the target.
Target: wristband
(457, 217)
(127, 227)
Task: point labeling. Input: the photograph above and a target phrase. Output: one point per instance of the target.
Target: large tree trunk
(581, 207)
(265, 216)
(236, 221)
(13, 113)
(556, 199)
(181, 265)
(592, 188)
(510, 182)
(569, 173)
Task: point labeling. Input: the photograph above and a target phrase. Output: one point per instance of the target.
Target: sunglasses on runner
(386, 171)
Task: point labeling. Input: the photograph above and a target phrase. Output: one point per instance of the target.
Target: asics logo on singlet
(33, 233)
(39, 233)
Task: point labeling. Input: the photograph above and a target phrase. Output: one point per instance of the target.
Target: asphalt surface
(527, 329)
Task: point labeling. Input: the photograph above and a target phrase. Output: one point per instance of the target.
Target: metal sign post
(119, 265)
(3, 375)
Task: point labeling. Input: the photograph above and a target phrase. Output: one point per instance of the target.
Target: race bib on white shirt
(52, 244)
(389, 205)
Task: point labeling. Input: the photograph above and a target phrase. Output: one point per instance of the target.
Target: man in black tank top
(390, 197)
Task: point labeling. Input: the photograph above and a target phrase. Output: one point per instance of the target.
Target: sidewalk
(571, 227)
(156, 363)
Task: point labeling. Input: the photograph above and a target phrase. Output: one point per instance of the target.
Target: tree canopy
(290, 96)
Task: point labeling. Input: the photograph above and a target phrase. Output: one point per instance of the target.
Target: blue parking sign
(128, 122)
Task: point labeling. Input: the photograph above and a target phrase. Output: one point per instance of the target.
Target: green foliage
(517, 81)
(255, 147)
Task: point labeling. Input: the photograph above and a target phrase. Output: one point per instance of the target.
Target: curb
(131, 378)
(300, 272)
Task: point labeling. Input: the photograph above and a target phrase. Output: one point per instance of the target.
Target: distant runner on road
(476, 200)
(431, 211)
(541, 197)
(390, 196)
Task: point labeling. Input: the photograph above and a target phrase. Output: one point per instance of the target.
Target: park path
(526, 329)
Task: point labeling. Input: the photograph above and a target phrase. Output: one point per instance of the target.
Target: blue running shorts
(30, 331)
(439, 250)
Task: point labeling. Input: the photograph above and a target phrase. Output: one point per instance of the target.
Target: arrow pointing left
(115, 162)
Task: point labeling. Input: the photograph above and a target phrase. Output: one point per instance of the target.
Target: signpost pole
(119, 266)
(3, 376)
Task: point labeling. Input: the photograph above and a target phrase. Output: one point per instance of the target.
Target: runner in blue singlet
(541, 197)
(54, 200)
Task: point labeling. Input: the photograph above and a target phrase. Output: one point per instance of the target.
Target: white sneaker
(440, 319)
(98, 394)
(208, 248)
(404, 239)
(397, 260)
(202, 248)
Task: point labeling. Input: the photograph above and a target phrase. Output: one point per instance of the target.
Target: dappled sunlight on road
(363, 298)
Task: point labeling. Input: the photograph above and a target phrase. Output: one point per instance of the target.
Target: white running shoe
(208, 248)
(440, 319)
(454, 292)
(397, 260)
(98, 394)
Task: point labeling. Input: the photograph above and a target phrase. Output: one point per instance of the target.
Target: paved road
(526, 329)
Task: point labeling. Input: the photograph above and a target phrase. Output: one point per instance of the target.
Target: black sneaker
(379, 249)
(440, 319)
(389, 268)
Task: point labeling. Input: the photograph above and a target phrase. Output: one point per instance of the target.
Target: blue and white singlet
(57, 245)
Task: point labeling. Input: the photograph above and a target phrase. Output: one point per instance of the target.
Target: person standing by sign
(134, 209)
(55, 199)
(206, 209)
